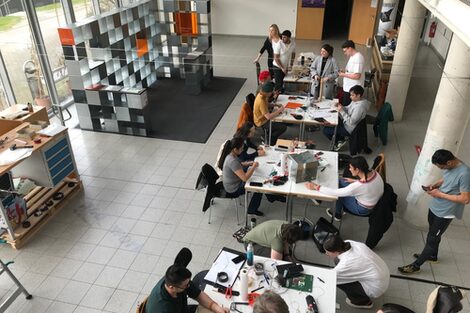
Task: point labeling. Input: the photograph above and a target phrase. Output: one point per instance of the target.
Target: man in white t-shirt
(353, 74)
(284, 56)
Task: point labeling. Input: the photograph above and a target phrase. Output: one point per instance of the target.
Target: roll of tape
(222, 277)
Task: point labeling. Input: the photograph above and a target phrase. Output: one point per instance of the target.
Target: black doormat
(174, 115)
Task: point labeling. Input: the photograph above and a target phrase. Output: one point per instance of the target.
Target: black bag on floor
(321, 231)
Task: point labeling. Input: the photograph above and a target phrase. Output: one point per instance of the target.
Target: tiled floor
(108, 248)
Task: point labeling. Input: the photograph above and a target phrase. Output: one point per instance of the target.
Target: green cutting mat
(301, 283)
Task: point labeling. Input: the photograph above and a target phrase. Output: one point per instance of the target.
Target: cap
(264, 75)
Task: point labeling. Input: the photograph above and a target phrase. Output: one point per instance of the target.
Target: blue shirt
(456, 181)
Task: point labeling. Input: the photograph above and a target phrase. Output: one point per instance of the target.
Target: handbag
(14, 206)
(321, 231)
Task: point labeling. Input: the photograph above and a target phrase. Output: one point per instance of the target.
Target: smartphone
(426, 188)
(320, 119)
(239, 258)
(256, 184)
(283, 147)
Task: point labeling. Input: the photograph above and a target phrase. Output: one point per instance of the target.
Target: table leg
(302, 132)
(246, 208)
(333, 139)
(270, 130)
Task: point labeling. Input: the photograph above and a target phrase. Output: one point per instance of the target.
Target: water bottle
(252, 223)
(249, 254)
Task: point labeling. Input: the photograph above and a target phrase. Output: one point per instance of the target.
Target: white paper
(51, 130)
(11, 156)
(224, 263)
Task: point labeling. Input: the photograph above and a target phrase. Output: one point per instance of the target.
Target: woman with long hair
(246, 132)
(324, 69)
(273, 36)
(358, 196)
(234, 176)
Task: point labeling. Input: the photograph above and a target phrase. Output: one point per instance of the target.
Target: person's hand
(339, 107)
(247, 163)
(325, 79)
(261, 152)
(349, 180)
(285, 70)
(341, 73)
(221, 309)
(435, 193)
(316, 77)
(281, 109)
(255, 164)
(256, 60)
(312, 186)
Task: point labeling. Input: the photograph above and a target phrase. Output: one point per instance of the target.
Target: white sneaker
(339, 145)
(359, 306)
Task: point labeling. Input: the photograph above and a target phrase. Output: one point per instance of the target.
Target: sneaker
(257, 213)
(433, 260)
(339, 145)
(337, 216)
(409, 269)
(360, 306)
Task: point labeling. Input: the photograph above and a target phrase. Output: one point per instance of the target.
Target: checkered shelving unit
(113, 57)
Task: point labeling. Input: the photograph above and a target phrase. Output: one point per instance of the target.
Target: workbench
(51, 166)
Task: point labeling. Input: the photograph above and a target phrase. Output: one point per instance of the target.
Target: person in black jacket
(274, 34)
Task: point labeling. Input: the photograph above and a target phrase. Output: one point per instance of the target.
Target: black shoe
(409, 269)
(430, 260)
(337, 216)
(272, 198)
(257, 213)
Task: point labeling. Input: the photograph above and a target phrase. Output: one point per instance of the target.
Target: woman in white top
(360, 273)
(358, 196)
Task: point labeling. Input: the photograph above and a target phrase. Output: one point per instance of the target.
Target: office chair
(258, 70)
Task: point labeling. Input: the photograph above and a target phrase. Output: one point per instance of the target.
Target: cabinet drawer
(56, 148)
(58, 156)
(61, 165)
(57, 179)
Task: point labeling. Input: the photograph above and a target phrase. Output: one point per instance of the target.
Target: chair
(258, 70)
(368, 80)
(141, 306)
(358, 139)
(208, 179)
(379, 166)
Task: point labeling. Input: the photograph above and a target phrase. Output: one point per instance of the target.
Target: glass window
(3, 99)
(107, 5)
(16, 50)
(82, 9)
(51, 16)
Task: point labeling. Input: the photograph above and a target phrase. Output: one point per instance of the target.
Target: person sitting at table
(325, 69)
(360, 273)
(233, 175)
(246, 132)
(270, 302)
(274, 239)
(350, 117)
(358, 196)
(261, 115)
(263, 77)
(246, 112)
(171, 294)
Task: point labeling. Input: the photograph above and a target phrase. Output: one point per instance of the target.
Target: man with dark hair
(450, 195)
(353, 74)
(261, 114)
(284, 56)
(270, 302)
(274, 238)
(350, 117)
(171, 293)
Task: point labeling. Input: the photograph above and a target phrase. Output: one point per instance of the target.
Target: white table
(318, 109)
(327, 176)
(323, 290)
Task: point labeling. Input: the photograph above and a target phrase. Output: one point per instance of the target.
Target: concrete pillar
(449, 119)
(405, 55)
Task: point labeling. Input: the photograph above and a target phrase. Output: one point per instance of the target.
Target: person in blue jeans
(358, 196)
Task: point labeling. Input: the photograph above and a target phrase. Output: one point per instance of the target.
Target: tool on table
(223, 290)
(311, 304)
(14, 147)
(228, 292)
(233, 306)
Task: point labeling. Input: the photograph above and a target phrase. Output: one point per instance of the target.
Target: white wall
(252, 17)
(441, 40)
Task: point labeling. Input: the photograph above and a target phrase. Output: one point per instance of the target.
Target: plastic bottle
(249, 254)
(253, 223)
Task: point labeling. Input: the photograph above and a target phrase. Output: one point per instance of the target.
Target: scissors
(228, 292)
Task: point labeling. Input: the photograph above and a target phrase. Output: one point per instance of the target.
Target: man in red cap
(263, 77)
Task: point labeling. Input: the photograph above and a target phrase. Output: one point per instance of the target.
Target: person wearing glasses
(171, 293)
(360, 273)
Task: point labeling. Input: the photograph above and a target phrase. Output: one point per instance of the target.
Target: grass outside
(7, 22)
(57, 5)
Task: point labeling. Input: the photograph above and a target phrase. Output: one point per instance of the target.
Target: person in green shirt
(273, 238)
(171, 293)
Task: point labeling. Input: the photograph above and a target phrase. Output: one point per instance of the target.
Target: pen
(257, 289)
(320, 279)
(323, 169)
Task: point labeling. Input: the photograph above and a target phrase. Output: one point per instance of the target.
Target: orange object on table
(293, 105)
(252, 298)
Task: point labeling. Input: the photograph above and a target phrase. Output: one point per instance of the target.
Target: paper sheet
(11, 156)
(51, 130)
(224, 263)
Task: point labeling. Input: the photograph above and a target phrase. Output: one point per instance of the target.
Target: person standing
(261, 115)
(273, 37)
(284, 56)
(449, 197)
(353, 74)
(324, 69)
(360, 273)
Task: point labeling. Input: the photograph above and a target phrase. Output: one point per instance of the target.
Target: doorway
(337, 19)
